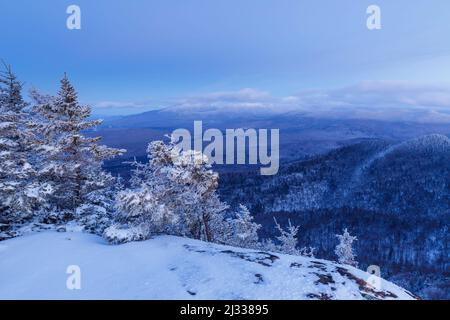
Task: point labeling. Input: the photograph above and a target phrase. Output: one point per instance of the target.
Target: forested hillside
(394, 197)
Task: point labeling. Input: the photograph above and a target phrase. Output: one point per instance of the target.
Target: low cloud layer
(382, 100)
(245, 99)
(117, 104)
(381, 94)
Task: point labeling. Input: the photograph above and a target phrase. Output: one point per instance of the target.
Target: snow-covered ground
(34, 267)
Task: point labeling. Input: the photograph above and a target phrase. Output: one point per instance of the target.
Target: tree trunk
(208, 235)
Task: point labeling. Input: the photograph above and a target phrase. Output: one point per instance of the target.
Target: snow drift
(166, 267)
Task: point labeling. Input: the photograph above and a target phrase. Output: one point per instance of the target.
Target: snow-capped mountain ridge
(169, 267)
(431, 142)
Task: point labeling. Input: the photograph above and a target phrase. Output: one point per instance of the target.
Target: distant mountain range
(300, 133)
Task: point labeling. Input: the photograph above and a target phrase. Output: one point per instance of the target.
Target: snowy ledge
(166, 267)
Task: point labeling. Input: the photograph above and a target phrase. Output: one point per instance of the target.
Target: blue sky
(133, 55)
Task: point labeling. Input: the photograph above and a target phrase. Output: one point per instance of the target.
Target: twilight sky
(134, 55)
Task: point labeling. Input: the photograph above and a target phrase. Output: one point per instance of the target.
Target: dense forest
(395, 197)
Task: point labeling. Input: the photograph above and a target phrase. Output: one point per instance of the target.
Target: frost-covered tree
(73, 161)
(243, 230)
(288, 238)
(344, 249)
(20, 191)
(96, 214)
(197, 199)
(175, 192)
(147, 207)
(287, 242)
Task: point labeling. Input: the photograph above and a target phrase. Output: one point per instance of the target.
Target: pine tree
(20, 191)
(344, 249)
(96, 214)
(288, 238)
(244, 231)
(287, 242)
(197, 198)
(148, 206)
(73, 161)
(175, 193)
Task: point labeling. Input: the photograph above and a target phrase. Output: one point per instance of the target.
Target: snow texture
(167, 267)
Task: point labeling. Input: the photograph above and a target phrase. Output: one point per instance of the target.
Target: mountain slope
(412, 177)
(33, 267)
(393, 197)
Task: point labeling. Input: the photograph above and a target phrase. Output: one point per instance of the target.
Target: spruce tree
(344, 249)
(202, 212)
(287, 242)
(175, 193)
(20, 190)
(244, 231)
(73, 161)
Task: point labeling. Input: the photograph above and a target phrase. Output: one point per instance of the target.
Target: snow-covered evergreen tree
(288, 238)
(73, 161)
(20, 190)
(202, 212)
(244, 231)
(147, 207)
(287, 242)
(344, 249)
(175, 192)
(96, 214)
